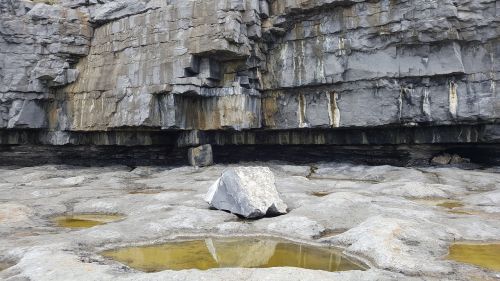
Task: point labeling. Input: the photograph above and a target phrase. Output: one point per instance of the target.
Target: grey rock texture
(69, 66)
(247, 191)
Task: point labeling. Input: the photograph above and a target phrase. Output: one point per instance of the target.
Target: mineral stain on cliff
(333, 109)
(453, 99)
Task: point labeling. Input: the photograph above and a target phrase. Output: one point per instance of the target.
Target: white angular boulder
(246, 191)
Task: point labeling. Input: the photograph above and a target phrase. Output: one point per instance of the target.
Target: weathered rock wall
(109, 70)
(39, 47)
(176, 66)
(376, 63)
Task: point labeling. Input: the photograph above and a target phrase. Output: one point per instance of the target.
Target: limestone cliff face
(133, 67)
(374, 63)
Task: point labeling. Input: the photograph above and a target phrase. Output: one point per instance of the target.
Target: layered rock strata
(248, 72)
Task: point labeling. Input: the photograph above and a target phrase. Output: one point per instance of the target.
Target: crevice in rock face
(312, 171)
(330, 232)
(433, 174)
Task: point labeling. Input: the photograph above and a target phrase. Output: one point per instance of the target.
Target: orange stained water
(85, 220)
(231, 252)
(483, 255)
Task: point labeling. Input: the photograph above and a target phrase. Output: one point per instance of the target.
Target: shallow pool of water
(450, 204)
(231, 252)
(483, 255)
(85, 220)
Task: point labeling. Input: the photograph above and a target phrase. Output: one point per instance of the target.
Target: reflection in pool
(232, 252)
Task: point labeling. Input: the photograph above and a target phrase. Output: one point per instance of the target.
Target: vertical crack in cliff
(400, 104)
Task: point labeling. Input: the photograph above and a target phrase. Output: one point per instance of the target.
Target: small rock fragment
(448, 159)
(443, 159)
(456, 159)
(246, 191)
(201, 156)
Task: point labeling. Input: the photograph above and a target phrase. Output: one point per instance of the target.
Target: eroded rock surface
(246, 191)
(400, 235)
